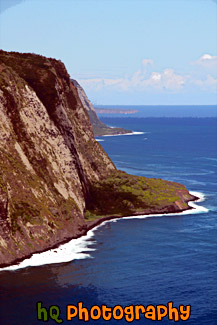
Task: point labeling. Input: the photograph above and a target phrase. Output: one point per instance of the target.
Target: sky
(125, 52)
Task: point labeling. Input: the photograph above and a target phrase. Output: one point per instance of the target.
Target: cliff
(99, 128)
(48, 155)
(54, 176)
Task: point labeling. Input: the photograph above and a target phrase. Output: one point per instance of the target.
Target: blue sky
(123, 51)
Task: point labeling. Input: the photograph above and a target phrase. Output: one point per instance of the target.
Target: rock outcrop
(48, 155)
(51, 167)
(99, 128)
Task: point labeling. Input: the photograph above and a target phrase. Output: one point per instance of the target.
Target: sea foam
(79, 248)
(131, 133)
(99, 140)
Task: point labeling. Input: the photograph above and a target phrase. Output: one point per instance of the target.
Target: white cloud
(155, 76)
(208, 83)
(167, 80)
(172, 81)
(139, 80)
(161, 81)
(207, 61)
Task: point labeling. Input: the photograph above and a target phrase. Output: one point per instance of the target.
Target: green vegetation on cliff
(122, 194)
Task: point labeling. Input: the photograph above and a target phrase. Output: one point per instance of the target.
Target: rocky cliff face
(99, 128)
(54, 176)
(48, 155)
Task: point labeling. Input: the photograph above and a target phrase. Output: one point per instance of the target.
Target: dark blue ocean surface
(139, 261)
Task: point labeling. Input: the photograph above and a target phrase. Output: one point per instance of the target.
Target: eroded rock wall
(48, 156)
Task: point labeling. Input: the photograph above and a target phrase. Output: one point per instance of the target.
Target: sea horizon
(200, 111)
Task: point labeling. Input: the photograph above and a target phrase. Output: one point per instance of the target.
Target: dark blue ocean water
(139, 261)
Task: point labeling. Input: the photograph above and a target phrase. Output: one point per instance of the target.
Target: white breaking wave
(75, 248)
(132, 133)
(99, 140)
(64, 253)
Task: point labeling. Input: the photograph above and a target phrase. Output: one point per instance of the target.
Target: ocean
(135, 261)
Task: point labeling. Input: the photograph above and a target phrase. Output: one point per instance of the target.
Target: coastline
(119, 134)
(71, 249)
(129, 133)
(198, 197)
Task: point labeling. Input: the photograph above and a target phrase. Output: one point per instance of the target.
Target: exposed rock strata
(48, 155)
(50, 163)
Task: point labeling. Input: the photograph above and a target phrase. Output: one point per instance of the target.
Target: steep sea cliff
(99, 128)
(54, 176)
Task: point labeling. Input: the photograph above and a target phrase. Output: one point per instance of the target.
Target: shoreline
(77, 244)
(191, 206)
(119, 134)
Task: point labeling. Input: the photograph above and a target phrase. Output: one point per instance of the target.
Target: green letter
(41, 310)
(56, 314)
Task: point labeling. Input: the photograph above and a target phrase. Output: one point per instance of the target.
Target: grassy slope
(122, 194)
